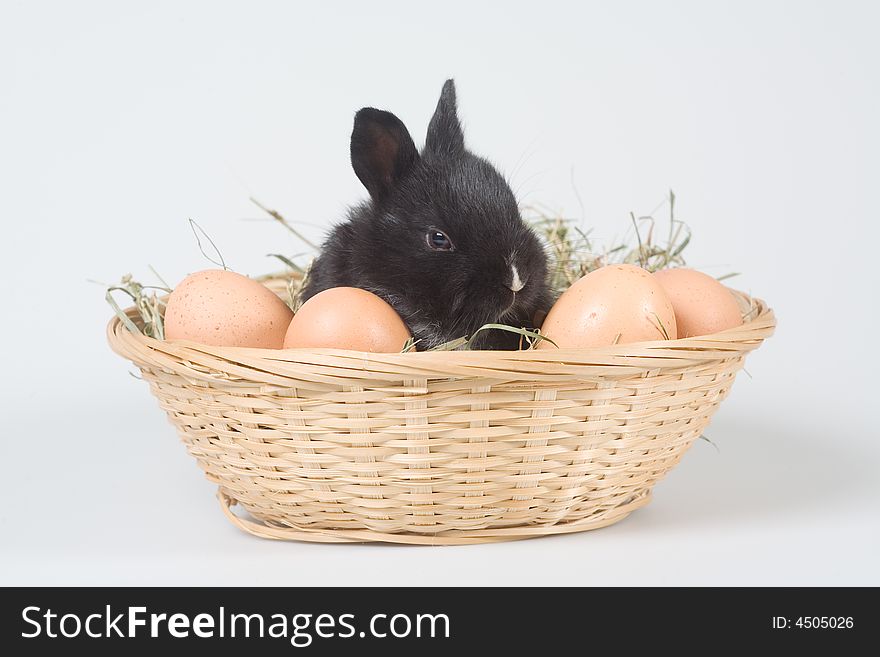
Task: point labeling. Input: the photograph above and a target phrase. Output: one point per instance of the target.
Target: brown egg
(347, 318)
(702, 304)
(615, 304)
(226, 309)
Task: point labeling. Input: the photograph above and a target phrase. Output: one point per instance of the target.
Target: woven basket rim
(281, 366)
(248, 362)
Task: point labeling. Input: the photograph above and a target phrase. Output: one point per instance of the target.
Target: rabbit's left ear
(382, 151)
(445, 136)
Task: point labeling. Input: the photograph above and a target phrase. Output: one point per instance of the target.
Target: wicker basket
(439, 447)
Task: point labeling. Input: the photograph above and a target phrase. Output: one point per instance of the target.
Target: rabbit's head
(441, 238)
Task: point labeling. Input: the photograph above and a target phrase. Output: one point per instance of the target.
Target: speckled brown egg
(347, 318)
(702, 304)
(615, 304)
(226, 309)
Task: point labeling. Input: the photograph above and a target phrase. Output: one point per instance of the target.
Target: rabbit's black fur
(385, 247)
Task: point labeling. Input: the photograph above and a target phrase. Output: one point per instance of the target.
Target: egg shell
(615, 300)
(702, 304)
(347, 318)
(226, 309)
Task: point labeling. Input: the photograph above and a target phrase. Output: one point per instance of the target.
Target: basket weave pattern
(439, 447)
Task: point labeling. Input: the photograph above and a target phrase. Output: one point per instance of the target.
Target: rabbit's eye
(438, 240)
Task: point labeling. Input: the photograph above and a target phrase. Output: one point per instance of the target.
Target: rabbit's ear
(445, 136)
(382, 151)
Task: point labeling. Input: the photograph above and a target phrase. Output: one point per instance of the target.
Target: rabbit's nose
(516, 283)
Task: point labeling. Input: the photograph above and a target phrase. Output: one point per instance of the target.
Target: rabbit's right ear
(382, 151)
(445, 136)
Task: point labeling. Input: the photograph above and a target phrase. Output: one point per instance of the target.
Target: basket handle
(281, 533)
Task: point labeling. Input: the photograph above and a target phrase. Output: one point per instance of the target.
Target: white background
(118, 121)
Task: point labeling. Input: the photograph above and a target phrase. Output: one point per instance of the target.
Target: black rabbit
(441, 238)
